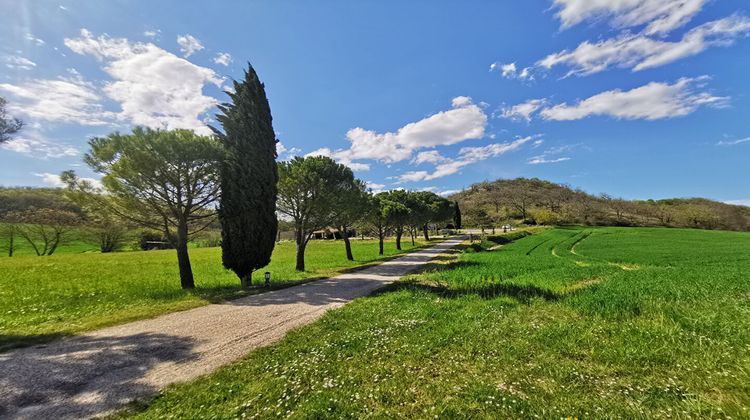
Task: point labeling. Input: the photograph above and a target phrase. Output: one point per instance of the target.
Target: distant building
(332, 233)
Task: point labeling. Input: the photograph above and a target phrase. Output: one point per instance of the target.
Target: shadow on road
(58, 380)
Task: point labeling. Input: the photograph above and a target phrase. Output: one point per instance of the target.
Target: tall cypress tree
(247, 211)
(457, 216)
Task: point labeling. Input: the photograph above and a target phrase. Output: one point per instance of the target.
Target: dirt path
(95, 373)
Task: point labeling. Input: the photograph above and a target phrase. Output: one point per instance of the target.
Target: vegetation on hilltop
(535, 201)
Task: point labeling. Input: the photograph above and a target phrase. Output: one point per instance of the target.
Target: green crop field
(42, 298)
(601, 322)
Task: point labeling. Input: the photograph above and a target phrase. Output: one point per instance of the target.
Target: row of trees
(536, 201)
(180, 183)
(316, 193)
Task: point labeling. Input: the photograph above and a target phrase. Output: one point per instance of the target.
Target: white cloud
(70, 100)
(745, 202)
(284, 154)
(733, 142)
(152, 33)
(223, 58)
(510, 71)
(466, 156)
(154, 87)
(658, 16)
(32, 144)
(431, 156)
(189, 45)
(639, 52)
(536, 160)
(340, 157)
(53, 180)
(650, 102)
(448, 192)
(522, 111)
(464, 121)
(18, 62)
(375, 187)
(34, 40)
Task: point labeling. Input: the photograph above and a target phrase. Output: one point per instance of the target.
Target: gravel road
(93, 374)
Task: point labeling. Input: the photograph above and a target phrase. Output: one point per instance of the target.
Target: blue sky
(635, 98)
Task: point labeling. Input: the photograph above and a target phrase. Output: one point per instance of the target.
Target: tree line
(535, 201)
(181, 183)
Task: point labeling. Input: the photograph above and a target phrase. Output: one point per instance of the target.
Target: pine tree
(248, 179)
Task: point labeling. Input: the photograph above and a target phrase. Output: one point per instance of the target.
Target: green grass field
(602, 323)
(45, 297)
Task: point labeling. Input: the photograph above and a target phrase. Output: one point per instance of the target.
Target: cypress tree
(247, 211)
(457, 216)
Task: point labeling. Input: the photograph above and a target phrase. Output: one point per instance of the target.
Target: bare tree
(43, 229)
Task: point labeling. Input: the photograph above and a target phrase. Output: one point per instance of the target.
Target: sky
(635, 98)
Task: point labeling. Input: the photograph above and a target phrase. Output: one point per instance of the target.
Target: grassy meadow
(570, 322)
(46, 297)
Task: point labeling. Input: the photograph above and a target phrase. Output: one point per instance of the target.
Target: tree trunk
(247, 281)
(413, 232)
(426, 233)
(399, 232)
(301, 243)
(183, 259)
(381, 236)
(347, 244)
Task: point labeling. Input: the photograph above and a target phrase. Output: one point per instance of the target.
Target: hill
(536, 201)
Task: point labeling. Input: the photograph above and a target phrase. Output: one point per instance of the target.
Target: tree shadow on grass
(84, 376)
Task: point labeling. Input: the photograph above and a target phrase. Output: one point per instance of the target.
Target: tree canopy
(8, 124)
(309, 191)
(167, 180)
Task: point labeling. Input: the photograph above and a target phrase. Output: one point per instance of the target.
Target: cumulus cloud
(285, 153)
(70, 100)
(464, 121)
(375, 187)
(522, 111)
(466, 157)
(223, 58)
(650, 102)
(431, 156)
(189, 45)
(658, 16)
(653, 101)
(19, 63)
(154, 87)
(640, 52)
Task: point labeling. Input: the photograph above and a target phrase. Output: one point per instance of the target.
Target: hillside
(536, 201)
